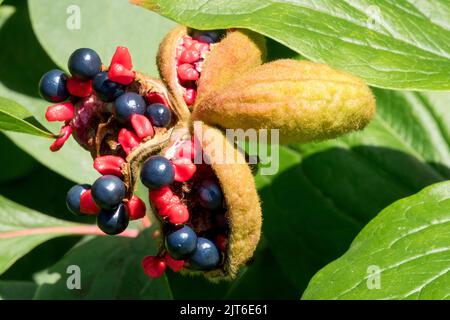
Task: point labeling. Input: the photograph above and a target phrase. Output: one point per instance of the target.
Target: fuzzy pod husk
(243, 205)
(240, 51)
(166, 61)
(304, 100)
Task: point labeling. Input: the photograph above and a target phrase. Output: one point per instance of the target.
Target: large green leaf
(17, 290)
(22, 229)
(324, 193)
(19, 81)
(103, 25)
(251, 282)
(14, 117)
(402, 44)
(110, 269)
(404, 253)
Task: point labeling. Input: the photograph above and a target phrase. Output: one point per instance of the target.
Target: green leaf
(324, 193)
(18, 162)
(404, 253)
(110, 269)
(251, 282)
(20, 84)
(22, 229)
(401, 44)
(103, 26)
(14, 117)
(17, 290)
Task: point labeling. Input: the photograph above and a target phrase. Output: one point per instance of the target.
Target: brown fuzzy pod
(243, 206)
(240, 51)
(167, 65)
(304, 100)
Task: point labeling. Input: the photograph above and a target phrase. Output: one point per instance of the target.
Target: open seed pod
(168, 135)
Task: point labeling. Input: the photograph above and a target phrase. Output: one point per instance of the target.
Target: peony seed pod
(169, 135)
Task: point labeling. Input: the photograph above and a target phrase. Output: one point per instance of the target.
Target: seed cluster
(108, 108)
(190, 56)
(189, 201)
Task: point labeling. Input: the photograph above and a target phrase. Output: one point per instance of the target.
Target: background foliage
(324, 193)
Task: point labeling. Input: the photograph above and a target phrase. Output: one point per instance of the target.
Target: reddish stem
(146, 223)
(78, 230)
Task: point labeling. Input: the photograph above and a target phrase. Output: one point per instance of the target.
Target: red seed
(155, 97)
(142, 126)
(136, 208)
(187, 149)
(161, 197)
(60, 112)
(118, 73)
(128, 140)
(109, 165)
(187, 72)
(122, 56)
(188, 41)
(87, 204)
(79, 88)
(178, 213)
(64, 134)
(189, 96)
(165, 210)
(154, 267)
(200, 47)
(222, 242)
(189, 56)
(184, 169)
(175, 265)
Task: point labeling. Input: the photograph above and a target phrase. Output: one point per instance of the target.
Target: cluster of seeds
(191, 206)
(135, 116)
(96, 89)
(187, 197)
(190, 56)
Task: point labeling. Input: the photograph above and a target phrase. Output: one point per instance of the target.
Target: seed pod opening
(220, 208)
(194, 63)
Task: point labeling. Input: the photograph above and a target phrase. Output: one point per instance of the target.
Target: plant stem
(73, 230)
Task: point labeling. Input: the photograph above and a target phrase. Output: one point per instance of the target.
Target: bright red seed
(128, 140)
(187, 150)
(189, 56)
(136, 208)
(184, 169)
(178, 213)
(189, 96)
(109, 165)
(165, 211)
(187, 72)
(161, 197)
(122, 56)
(155, 97)
(154, 267)
(118, 73)
(79, 88)
(188, 41)
(60, 112)
(175, 265)
(87, 204)
(142, 126)
(64, 134)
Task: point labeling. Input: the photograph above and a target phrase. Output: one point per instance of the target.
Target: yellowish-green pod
(304, 100)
